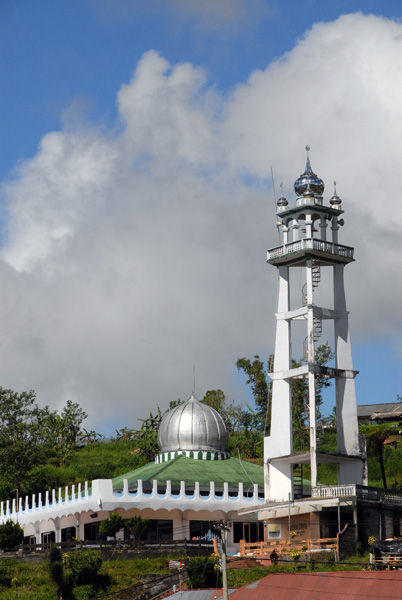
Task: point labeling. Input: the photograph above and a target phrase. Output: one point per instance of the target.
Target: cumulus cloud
(132, 255)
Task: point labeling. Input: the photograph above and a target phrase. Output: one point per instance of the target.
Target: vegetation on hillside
(42, 449)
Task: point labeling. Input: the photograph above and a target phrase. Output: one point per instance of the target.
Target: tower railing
(310, 244)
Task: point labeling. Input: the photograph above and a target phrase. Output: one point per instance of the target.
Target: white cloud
(133, 255)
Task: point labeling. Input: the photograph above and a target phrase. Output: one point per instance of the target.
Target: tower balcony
(320, 249)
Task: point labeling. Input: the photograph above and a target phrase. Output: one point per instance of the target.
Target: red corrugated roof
(345, 585)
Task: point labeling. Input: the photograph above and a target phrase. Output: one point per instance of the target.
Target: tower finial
(282, 202)
(335, 201)
(308, 165)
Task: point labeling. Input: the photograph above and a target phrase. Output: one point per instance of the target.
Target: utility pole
(223, 527)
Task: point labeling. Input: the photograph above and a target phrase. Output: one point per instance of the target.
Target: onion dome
(193, 429)
(309, 178)
(335, 201)
(282, 202)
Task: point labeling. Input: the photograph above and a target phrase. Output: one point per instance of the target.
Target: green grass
(32, 580)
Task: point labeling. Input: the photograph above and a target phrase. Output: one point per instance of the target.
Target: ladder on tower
(317, 322)
(298, 481)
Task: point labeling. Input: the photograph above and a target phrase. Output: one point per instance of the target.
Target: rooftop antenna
(273, 188)
(194, 380)
(273, 185)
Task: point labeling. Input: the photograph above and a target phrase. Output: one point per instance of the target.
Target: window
(202, 530)
(158, 529)
(68, 533)
(251, 532)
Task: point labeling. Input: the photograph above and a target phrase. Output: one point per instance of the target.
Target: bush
(360, 549)
(56, 569)
(11, 535)
(202, 573)
(84, 592)
(109, 527)
(6, 573)
(84, 565)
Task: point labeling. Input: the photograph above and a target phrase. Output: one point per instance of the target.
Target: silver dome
(309, 178)
(192, 426)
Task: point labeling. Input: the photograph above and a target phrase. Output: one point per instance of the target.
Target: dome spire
(335, 201)
(308, 165)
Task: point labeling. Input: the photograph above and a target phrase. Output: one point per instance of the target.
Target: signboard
(274, 531)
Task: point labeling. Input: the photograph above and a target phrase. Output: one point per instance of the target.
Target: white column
(334, 228)
(311, 377)
(285, 232)
(295, 230)
(323, 227)
(346, 410)
(278, 480)
(309, 226)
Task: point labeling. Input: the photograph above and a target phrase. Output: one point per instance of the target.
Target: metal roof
(346, 585)
(191, 470)
(366, 410)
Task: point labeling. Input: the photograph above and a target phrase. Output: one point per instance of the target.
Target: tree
(56, 570)
(63, 431)
(147, 435)
(111, 526)
(11, 535)
(260, 387)
(84, 565)
(21, 440)
(202, 573)
(257, 373)
(137, 526)
(215, 398)
(376, 436)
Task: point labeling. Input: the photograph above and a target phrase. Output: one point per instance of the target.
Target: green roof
(190, 470)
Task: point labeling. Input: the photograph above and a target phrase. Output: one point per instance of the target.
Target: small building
(385, 412)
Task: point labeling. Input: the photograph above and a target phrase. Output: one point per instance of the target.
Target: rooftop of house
(388, 408)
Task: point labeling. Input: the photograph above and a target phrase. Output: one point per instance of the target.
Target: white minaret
(309, 235)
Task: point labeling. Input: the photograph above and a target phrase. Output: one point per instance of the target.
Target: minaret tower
(309, 244)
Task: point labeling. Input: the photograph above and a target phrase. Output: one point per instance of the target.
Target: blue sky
(136, 197)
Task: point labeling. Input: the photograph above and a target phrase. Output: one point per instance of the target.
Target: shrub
(137, 526)
(359, 549)
(84, 592)
(109, 527)
(295, 554)
(11, 534)
(84, 565)
(6, 573)
(56, 569)
(202, 574)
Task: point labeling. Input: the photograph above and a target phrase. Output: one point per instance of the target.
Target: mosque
(191, 483)
(194, 481)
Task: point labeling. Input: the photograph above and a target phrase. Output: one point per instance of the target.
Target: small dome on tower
(192, 426)
(335, 201)
(309, 178)
(282, 202)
